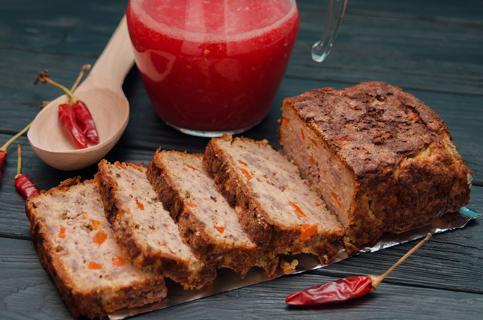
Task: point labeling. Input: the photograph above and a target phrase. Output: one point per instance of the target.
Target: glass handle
(335, 13)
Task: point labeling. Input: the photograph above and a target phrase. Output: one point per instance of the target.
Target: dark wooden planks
(467, 12)
(79, 28)
(445, 57)
(26, 292)
(379, 40)
(20, 68)
(46, 25)
(431, 45)
(389, 302)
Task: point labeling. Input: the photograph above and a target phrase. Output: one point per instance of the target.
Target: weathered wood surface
(377, 41)
(434, 49)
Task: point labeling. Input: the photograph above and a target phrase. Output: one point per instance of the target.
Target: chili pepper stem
(82, 72)
(19, 160)
(376, 280)
(43, 77)
(15, 137)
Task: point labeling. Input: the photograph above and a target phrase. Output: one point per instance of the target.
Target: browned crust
(366, 117)
(265, 233)
(363, 227)
(89, 304)
(239, 259)
(171, 267)
(403, 190)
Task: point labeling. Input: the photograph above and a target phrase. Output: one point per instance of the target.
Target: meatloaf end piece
(205, 219)
(145, 228)
(275, 206)
(77, 248)
(380, 158)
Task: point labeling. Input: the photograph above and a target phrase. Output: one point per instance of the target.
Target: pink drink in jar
(212, 66)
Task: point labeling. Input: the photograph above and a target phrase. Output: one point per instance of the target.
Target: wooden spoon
(102, 92)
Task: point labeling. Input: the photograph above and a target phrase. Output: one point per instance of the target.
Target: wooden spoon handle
(115, 61)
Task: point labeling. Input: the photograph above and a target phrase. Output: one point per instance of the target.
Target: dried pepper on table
(345, 289)
(23, 184)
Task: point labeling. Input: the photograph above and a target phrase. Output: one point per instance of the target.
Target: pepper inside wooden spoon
(102, 92)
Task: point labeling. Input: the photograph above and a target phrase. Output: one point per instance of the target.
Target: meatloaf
(205, 219)
(77, 248)
(275, 206)
(381, 159)
(145, 228)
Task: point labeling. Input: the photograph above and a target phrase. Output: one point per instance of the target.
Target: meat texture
(380, 158)
(275, 206)
(145, 228)
(77, 248)
(205, 219)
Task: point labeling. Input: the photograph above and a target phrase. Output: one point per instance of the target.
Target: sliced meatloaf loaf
(77, 248)
(206, 220)
(145, 228)
(381, 159)
(275, 206)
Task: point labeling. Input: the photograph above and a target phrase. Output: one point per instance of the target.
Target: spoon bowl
(110, 110)
(102, 93)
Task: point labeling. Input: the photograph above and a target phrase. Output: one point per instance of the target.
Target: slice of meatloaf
(76, 246)
(381, 159)
(205, 219)
(145, 228)
(275, 206)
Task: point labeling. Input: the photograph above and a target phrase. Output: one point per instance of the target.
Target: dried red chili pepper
(345, 289)
(85, 121)
(82, 116)
(82, 113)
(67, 119)
(4, 148)
(3, 157)
(23, 184)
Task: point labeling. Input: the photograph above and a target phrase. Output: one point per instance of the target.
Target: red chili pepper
(332, 292)
(23, 184)
(67, 119)
(345, 289)
(3, 157)
(85, 121)
(4, 148)
(82, 113)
